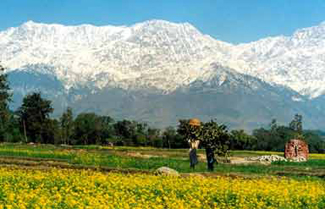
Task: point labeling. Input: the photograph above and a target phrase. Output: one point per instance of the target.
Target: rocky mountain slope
(158, 71)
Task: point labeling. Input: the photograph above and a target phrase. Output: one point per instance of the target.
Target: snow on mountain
(155, 53)
(161, 55)
(297, 61)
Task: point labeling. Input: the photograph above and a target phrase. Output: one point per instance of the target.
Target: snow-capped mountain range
(163, 56)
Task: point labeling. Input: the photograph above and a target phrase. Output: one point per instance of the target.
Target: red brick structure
(296, 148)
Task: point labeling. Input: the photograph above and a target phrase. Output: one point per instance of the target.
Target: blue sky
(233, 21)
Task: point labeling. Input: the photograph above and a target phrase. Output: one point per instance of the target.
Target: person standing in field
(210, 158)
(194, 142)
(194, 145)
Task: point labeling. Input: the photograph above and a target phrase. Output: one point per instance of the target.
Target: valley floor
(147, 160)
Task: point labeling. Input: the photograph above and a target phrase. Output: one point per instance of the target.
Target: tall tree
(140, 137)
(51, 132)
(241, 140)
(66, 122)
(153, 137)
(169, 136)
(90, 128)
(171, 139)
(34, 118)
(125, 129)
(296, 124)
(5, 98)
(107, 131)
(87, 128)
(216, 137)
(273, 125)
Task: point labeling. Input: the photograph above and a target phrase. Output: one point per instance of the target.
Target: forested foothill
(32, 123)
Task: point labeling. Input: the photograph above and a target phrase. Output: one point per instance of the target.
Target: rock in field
(166, 171)
(267, 158)
(298, 159)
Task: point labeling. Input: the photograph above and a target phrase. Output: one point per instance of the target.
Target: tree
(216, 137)
(87, 128)
(168, 137)
(273, 125)
(13, 133)
(315, 141)
(51, 132)
(34, 117)
(296, 124)
(140, 137)
(5, 98)
(263, 137)
(107, 130)
(153, 136)
(125, 130)
(171, 139)
(274, 138)
(66, 122)
(241, 140)
(215, 140)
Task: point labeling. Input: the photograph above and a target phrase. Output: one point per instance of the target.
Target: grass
(249, 153)
(120, 158)
(319, 163)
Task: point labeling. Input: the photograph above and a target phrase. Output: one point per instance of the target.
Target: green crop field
(144, 159)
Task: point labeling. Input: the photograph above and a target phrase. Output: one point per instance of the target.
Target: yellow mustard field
(62, 188)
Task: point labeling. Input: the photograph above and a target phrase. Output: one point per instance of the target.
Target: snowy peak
(93, 34)
(296, 61)
(162, 55)
(161, 24)
(155, 53)
(315, 32)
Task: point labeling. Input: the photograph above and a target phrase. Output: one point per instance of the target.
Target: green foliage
(189, 132)
(316, 143)
(211, 135)
(296, 124)
(67, 126)
(137, 134)
(5, 98)
(241, 140)
(216, 137)
(272, 140)
(171, 139)
(275, 138)
(13, 133)
(125, 129)
(153, 137)
(51, 134)
(88, 128)
(34, 116)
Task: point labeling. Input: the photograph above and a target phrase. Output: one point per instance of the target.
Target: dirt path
(47, 164)
(34, 163)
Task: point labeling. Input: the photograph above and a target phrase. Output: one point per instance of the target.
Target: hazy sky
(227, 20)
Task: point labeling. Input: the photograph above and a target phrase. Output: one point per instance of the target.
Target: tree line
(31, 122)
(275, 136)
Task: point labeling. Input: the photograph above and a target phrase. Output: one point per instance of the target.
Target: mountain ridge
(80, 52)
(158, 58)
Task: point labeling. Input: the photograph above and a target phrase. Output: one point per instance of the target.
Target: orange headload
(194, 122)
